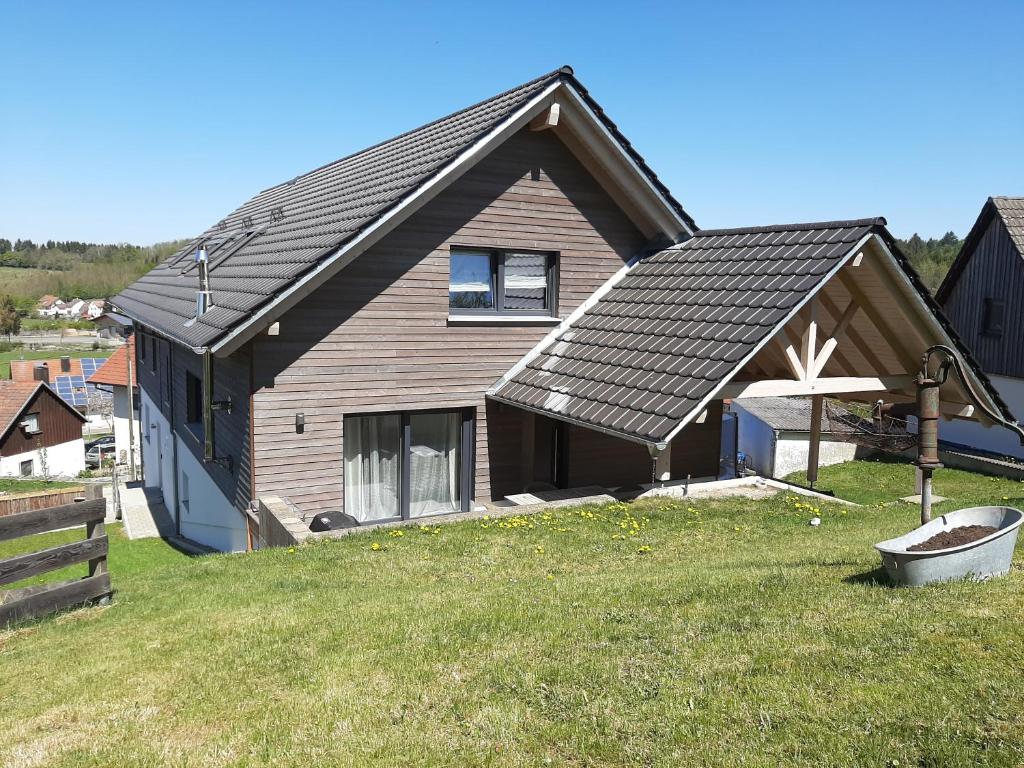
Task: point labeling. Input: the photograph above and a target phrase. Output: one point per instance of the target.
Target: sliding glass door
(373, 467)
(408, 465)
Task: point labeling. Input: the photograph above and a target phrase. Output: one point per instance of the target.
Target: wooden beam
(851, 333)
(809, 340)
(833, 341)
(789, 353)
(546, 119)
(815, 440)
(827, 386)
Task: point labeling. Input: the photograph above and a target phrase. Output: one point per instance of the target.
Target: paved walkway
(144, 513)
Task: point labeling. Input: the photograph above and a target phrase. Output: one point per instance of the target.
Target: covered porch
(814, 310)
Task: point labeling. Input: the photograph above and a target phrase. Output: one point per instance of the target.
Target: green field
(661, 633)
(50, 353)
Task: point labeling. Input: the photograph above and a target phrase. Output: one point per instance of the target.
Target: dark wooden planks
(32, 602)
(42, 520)
(32, 564)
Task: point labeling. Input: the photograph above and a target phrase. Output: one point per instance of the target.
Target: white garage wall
(757, 441)
(792, 447)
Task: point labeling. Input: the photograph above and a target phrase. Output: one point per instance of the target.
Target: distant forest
(71, 269)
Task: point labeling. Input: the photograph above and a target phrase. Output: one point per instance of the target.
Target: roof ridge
(563, 70)
(840, 224)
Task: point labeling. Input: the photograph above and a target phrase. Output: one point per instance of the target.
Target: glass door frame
(467, 460)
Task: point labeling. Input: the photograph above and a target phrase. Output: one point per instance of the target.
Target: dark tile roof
(650, 350)
(282, 233)
(1011, 211)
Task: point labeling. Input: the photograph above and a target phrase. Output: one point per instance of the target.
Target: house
(503, 299)
(981, 295)
(117, 374)
(67, 376)
(50, 306)
(111, 325)
(70, 309)
(46, 304)
(775, 434)
(91, 309)
(41, 434)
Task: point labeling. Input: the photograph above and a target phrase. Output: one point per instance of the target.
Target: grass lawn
(12, 485)
(50, 353)
(658, 633)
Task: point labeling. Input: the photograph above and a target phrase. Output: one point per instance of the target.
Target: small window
(992, 317)
(31, 423)
(27, 468)
(515, 283)
(184, 492)
(193, 399)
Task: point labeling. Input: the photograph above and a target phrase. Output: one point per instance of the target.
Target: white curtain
(373, 474)
(434, 463)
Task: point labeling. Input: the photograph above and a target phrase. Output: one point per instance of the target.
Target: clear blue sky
(142, 121)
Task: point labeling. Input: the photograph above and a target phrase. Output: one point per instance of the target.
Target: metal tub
(981, 559)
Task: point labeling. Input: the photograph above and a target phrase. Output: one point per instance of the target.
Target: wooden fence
(11, 504)
(29, 602)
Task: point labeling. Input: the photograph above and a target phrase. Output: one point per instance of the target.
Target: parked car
(105, 440)
(95, 456)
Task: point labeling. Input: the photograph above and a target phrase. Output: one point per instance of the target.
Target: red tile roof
(14, 396)
(21, 370)
(114, 371)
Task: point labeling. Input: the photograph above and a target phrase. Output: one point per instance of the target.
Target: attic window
(500, 282)
(31, 423)
(992, 317)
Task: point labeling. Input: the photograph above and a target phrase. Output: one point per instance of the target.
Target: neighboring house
(774, 434)
(983, 296)
(504, 299)
(68, 378)
(68, 309)
(53, 307)
(41, 434)
(46, 306)
(114, 376)
(111, 325)
(91, 309)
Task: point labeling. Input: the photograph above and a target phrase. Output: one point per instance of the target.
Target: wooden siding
(995, 270)
(56, 423)
(376, 337)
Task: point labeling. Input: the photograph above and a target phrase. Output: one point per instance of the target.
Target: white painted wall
(757, 441)
(791, 450)
(207, 515)
(121, 421)
(157, 451)
(63, 460)
(995, 439)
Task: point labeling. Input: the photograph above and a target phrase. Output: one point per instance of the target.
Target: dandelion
(644, 549)
(376, 547)
(396, 534)
(291, 550)
(539, 549)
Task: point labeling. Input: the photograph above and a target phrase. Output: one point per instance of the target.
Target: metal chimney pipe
(204, 299)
